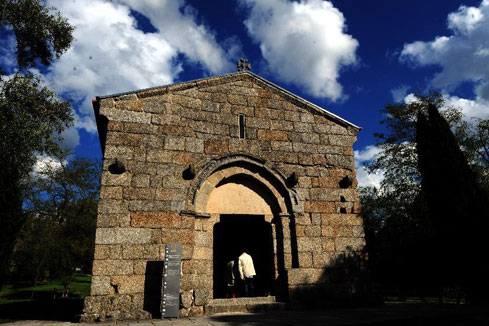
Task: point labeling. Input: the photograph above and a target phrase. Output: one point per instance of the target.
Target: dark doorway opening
(152, 288)
(231, 235)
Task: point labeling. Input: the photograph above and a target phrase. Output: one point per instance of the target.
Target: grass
(16, 303)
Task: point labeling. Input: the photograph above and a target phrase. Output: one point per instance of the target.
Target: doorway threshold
(253, 304)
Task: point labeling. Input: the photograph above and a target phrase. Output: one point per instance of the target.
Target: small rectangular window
(242, 126)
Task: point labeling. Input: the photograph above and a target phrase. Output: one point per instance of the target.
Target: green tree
(41, 33)
(31, 116)
(458, 206)
(400, 234)
(58, 235)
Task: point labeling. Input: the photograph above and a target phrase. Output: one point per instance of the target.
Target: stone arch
(243, 170)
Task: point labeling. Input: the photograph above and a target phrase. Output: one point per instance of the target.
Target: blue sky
(350, 57)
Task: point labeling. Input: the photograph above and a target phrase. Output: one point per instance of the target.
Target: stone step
(247, 300)
(217, 306)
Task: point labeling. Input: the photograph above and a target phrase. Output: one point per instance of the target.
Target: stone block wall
(157, 133)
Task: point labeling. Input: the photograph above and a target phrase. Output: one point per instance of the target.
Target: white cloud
(462, 56)
(111, 55)
(182, 32)
(399, 93)
(478, 109)
(410, 98)
(44, 164)
(470, 108)
(304, 42)
(366, 179)
(465, 19)
(86, 123)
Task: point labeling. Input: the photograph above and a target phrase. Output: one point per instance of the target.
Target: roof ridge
(244, 72)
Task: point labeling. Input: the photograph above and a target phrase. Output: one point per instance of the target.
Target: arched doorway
(246, 208)
(245, 204)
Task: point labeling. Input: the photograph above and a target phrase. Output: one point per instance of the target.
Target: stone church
(217, 165)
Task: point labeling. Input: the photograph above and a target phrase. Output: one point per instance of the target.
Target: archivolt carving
(221, 169)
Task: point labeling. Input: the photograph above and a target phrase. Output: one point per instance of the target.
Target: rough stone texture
(159, 133)
(100, 285)
(186, 299)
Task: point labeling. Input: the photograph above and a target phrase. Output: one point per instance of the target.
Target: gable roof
(291, 97)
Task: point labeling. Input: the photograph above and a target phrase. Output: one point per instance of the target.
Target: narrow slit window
(242, 126)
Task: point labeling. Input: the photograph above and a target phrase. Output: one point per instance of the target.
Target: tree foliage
(401, 235)
(31, 116)
(458, 206)
(61, 208)
(42, 34)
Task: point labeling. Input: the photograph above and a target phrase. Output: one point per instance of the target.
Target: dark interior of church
(232, 235)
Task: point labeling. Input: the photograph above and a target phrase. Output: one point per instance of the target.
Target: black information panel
(170, 296)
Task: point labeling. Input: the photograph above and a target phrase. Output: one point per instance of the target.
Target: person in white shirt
(246, 272)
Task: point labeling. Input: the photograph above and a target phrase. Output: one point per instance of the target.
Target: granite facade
(298, 152)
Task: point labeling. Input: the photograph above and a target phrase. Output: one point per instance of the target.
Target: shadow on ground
(387, 314)
(43, 309)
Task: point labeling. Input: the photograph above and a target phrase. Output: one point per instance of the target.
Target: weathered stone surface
(184, 236)
(100, 285)
(157, 133)
(122, 235)
(358, 231)
(103, 304)
(126, 115)
(322, 259)
(139, 267)
(309, 244)
(140, 180)
(174, 143)
(159, 156)
(341, 219)
(139, 193)
(319, 207)
(312, 231)
(305, 259)
(216, 146)
(328, 244)
(272, 135)
(336, 231)
(113, 220)
(129, 284)
(110, 192)
(194, 145)
(298, 276)
(202, 253)
(345, 244)
(138, 251)
(109, 179)
(197, 266)
(108, 252)
(202, 239)
(202, 296)
(196, 311)
(186, 299)
(195, 281)
(112, 267)
(109, 206)
(170, 194)
(155, 219)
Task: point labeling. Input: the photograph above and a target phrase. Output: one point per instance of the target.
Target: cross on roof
(243, 64)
